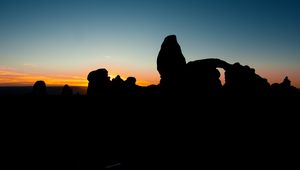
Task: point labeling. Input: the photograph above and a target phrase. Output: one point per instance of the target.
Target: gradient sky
(61, 41)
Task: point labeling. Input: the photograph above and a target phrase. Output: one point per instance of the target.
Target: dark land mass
(9, 91)
(148, 133)
(189, 121)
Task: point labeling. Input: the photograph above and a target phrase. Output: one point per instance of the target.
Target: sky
(61, 41)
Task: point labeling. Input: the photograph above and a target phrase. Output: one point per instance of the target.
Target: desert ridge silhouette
(199, 78)
(284, 89)
(189, 120)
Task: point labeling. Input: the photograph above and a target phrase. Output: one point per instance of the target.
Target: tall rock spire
(170, 61)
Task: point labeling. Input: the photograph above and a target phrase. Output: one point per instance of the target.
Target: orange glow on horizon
(277, 76)
(14, 78)
(10, 77)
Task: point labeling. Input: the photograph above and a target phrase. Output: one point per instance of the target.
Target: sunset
(64, 39)
(149, 84)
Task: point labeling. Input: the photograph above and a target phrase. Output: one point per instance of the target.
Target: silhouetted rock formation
(117, 85)
(284, 89)
(170, 63)
(286, 82)
(243, 81)
(203, 76)
(39, 88)
(99, 83)
(130, 82)
(130, 87)
(67, 91)
(133, 127)
(200, 78)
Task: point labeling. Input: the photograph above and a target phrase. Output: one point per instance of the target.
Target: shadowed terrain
(188, 121)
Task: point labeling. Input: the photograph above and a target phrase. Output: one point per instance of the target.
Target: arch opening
(222, 75)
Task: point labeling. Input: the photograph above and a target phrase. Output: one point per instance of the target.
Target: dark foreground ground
(148, 133)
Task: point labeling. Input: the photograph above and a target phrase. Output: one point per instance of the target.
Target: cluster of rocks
(101, 85)
(40, 89)
(200, 78)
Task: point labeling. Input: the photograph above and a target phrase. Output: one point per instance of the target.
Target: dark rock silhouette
(117, 82)
(286, 82)
(130, 87)
(202, 76)
(243, 81)
(99, 83)
(134, 127)
(170, 63)
(284, 89)
(67, 91)
(130, 82)
(117, 86)
(39, 88)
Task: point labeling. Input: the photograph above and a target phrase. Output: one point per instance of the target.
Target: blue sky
(69, 38)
